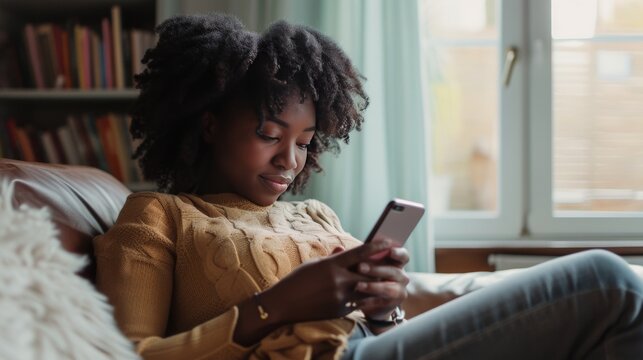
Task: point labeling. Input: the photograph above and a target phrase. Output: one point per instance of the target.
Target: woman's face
(260, 166)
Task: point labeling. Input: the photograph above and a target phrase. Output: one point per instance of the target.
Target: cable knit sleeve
(135, 268)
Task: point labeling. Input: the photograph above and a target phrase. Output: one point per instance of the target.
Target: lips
(276, 183)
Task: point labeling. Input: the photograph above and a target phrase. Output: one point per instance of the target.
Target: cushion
(46, 310)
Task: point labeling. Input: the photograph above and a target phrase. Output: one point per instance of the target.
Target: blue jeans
(583, 306)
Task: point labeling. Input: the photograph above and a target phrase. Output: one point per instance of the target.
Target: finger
(361, 253)
(352, 278)
(399, 256)
(383, 272)
(338, 249)
(373, 303)
(384, 289)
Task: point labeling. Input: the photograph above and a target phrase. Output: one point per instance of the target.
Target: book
(34, 139)
(87, 58)
(34, 56)
(8, 143)
(51, 155)
(62, 51)
(12, 131)
(24, 64)
(101, 58)
(107, 53)
(128, 148)
(77, 139)
(97, 77)
(121, 141)
(117, 38)
(60, 151)
(73, 61)
(25, 144)
(141, 41)
(108, 142)
(89, 123)
(137, 42)
(47, 50)
(10, 72)
(84, 142)
(127, 58)
(69, 147)
(80, 62)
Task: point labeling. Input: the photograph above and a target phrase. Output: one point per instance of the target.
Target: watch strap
(397, 317)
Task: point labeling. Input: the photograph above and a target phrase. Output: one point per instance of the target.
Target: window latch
(511, 56)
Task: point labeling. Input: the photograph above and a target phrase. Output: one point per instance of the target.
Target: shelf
(41, 10)
(30, 5)
(75, 94)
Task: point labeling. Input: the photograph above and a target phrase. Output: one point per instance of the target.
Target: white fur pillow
(46, 310)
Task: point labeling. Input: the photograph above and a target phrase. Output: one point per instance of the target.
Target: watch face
(397, 315)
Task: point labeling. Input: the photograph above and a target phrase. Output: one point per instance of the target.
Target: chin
(264, 200)
(262, 196)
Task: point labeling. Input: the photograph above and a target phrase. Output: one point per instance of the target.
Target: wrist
(272, 303)
(256, 320)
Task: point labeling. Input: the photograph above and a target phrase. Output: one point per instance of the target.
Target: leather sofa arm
(83, 201)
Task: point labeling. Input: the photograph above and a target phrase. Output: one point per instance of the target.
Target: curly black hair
(200, 61)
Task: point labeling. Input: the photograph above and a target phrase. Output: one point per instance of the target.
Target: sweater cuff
(233, 344)
(213, 338)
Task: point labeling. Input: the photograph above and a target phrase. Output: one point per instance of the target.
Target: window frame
(507, 221)
(525, 164)
(543, 221)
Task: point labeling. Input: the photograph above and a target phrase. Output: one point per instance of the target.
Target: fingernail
(364, 267)
(361, 285)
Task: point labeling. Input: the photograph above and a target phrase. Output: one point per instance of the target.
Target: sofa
(85, 202)
(48, 217)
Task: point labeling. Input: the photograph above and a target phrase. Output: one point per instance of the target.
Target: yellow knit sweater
(174, 267)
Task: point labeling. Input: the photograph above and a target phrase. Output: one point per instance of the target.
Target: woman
(217, 267)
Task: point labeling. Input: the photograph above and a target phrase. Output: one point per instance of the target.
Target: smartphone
(396, 222)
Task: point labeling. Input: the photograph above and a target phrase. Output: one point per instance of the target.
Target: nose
(286, 158)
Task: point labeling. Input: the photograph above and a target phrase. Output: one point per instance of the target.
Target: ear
(209, 127)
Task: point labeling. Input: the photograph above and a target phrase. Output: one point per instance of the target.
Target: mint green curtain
(389, 157)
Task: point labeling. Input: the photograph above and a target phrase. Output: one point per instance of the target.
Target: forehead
(296, 112)
(295, 108)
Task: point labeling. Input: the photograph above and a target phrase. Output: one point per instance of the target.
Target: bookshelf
(66, 80)
(17, 95)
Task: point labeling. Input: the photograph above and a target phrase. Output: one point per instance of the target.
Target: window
(537, 114)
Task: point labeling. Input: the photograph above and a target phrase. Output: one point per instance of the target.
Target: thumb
(362, 252)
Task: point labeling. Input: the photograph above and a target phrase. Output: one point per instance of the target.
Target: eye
(266, 137)
(305, 142)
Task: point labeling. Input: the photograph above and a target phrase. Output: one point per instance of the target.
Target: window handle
(511, 56)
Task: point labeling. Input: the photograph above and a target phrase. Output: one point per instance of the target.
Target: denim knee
(610, 270)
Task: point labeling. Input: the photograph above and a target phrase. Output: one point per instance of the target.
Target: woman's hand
(329, 288)
(386, 287)
(319, 289)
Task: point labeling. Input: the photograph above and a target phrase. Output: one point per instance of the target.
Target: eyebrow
(285, 124)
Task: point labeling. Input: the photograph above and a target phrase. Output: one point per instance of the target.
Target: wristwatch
(397, 317)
